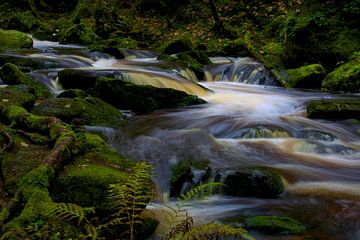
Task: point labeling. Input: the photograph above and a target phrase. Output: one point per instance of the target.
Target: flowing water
(241, 125)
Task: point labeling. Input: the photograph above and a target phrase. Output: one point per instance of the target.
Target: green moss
(274, 225)
(11, 39)
(345, 78)
(334, 109)
(80, 33)
(88, 110)
(10, 74)
(87, 185)
(23, 21)
(177, 46)
(20, 95)
(73, 93)
(254, 182)
(309, 76)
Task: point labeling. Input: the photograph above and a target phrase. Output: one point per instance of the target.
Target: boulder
(309, 76)
(82, 79)
(11, 39)
(345, 78)
(10, 74)
(140, 98)
(254, 182)
(334, 109)
(88, 110)
(274, 225)
(73, 93)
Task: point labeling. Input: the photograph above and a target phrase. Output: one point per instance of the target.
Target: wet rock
(11, 39)
(88, 110)
(316, 135)
(140, 98)
(274, 225)
(334, 109)
(10, 74)
(263, 132)
(309, 76)
(82, 79)
(254, 182)
(345, 78)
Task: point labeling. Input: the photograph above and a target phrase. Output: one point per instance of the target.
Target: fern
(131, 198)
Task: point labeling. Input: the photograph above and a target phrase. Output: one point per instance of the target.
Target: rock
(82, 79)
(177, 46)
(236, 48)
(309, 76)
(88, 110)
(345, 78)
(254, 182)
(10, 74)
(73, 93)
(19, 95)
(334, 109)
(139, 98)
(11, 39)
(274, 225)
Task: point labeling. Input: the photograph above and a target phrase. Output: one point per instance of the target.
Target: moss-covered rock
(73, 93)
(88, 110)
(254, 182)
(126, 95)
(10, 74)
(19, 95)
(87, 185)
(274, 225)
(345, 78)
(310, 76)
(334, 109)
(82, 79)
(11, 39)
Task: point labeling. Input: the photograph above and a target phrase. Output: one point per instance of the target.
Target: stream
(248, 121)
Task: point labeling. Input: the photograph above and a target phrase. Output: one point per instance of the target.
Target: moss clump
(80, 33)
(73, 93)
(345, 78)
(88, 110)
(126, 95)
(334, 109)
(177, 46)
(274, 225)
(10, 74)
(180, 174)
(254, 182)
(20, 95)
(11, 39)
(87, 185)
(309, 76)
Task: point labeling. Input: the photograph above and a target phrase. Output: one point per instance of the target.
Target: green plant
(131, 198)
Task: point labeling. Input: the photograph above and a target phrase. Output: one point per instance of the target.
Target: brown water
(242, 125)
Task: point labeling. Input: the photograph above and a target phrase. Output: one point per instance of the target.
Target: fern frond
(186, 197)
(66, 212)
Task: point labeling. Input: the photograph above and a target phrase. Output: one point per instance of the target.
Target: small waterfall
(244, 70)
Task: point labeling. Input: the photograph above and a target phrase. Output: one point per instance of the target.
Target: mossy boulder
(274, 225)
(11, 39)
(140, 98)
(254, 182)
(10, 74)
(87, 185)
(345, 78)
(309, 76)
(88, 110)
(19, 95)
(236, 48)
(73, 93)
(334, 109)
(82, 79)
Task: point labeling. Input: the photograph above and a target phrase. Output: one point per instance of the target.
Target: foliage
(128, 200)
